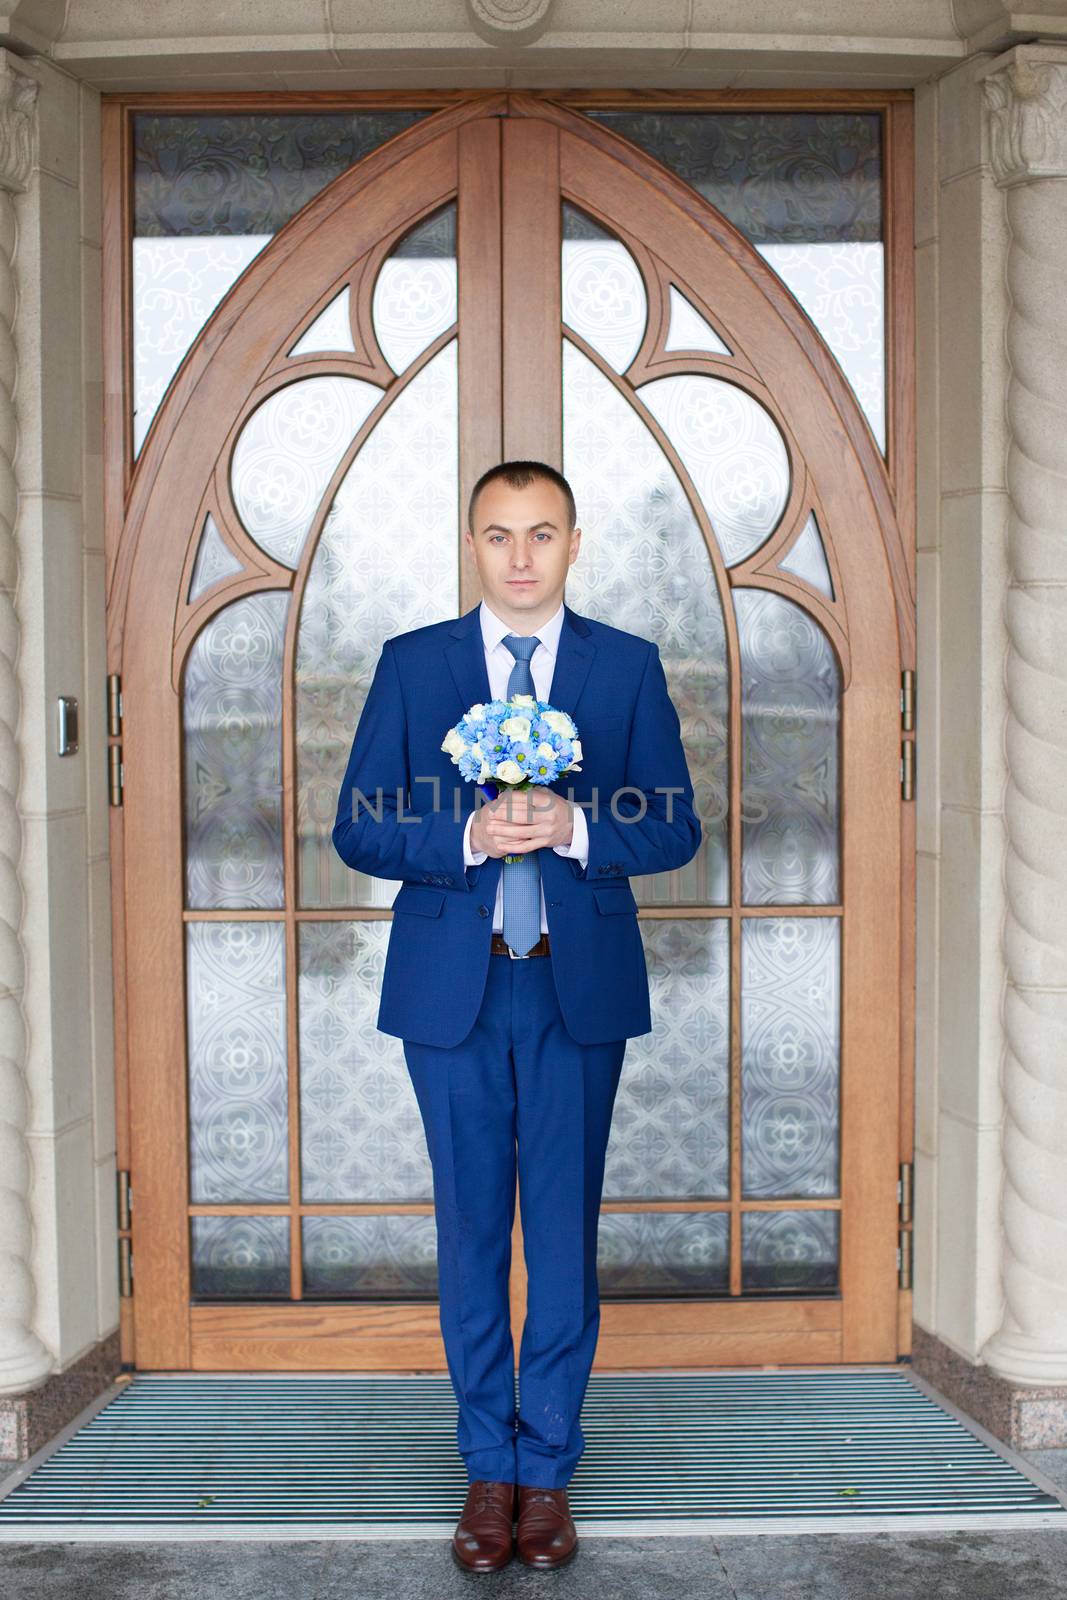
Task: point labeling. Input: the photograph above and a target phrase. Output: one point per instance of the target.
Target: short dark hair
(519, 475)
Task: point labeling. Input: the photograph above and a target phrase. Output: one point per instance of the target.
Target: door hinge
(904, 1191)
(116, 774)
(114, 706)
(904, 1256)
(115, 771)
(907, 769)
(907, 700)
(125, 1268)
(907, 725)
(124, 1190)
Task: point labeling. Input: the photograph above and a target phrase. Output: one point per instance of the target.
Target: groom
(515, 986)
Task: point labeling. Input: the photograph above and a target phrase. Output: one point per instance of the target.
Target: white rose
(485, 772)
(523, 700)
(453, 743)
(510, 772)
(560, 723)
(478, 710)
(576, 746)
(516, 727)
(546, 752)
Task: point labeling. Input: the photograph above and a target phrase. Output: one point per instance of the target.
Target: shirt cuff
(579, 845)
(472, 858)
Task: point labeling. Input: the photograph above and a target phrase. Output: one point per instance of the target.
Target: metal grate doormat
(373, 1456)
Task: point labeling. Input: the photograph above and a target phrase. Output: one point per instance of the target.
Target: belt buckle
(515, 955)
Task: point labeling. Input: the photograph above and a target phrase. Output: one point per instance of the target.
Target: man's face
(522, 548)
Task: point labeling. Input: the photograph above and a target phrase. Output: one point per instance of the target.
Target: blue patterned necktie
(522, 878)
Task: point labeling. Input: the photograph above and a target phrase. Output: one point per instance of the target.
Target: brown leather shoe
(547, 1537)
(484, 1537)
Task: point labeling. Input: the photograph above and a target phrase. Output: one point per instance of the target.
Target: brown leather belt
(500, 947)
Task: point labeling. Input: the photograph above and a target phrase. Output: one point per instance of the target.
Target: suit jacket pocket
(612, 897)
(421, 898)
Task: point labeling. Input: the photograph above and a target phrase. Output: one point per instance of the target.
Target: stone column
(24, 1361)
(1026, 92)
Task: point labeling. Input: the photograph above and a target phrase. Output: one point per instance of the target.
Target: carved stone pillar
(1026, 92)
(24, 1361)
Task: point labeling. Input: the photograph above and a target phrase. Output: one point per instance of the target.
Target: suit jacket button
(483, 911)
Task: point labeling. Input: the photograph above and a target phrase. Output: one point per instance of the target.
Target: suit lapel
(466, 661)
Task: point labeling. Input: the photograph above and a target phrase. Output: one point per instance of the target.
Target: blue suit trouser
(518, 1093)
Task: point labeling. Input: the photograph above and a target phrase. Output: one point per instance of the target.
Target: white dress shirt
(499, 663)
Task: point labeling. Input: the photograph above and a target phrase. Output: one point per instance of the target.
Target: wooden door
(504, 279)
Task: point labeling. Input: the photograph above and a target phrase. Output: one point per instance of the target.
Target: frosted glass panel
(288, 451)
(644, 566)
(331, 329)
(238, 1106)
(371, 1258)
(807, 559)
(663, 1254)
(232, 758)
(361, 1134)
(416, 295)
(789, 1251)
(387, 561)
(688, 330)
(177, 283)
(790, 717)
(604, 296)
(731, 449)
(214, 560)
(670, 1132)
(790, 1056)
(842, 288)
(240, 1258)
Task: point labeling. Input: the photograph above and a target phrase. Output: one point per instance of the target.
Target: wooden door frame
(389, 1335)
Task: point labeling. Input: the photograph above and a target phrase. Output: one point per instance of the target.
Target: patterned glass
(790, 719)
(232, 757)
(731, 449)
(360, 1131)
(807, 559)
(688, 330)
(643, 566)
(805, 188)
(371, 1258)
(240, 1258)
(238, 1097)
(604, 297)
(670, 1129)
(416, 295)
(663, 1254)
(208, 193)
(842, 289)
(214, 560)
(331, 329)
(790, 1056)
(783, 1251)
(387, 561)
(288, 451)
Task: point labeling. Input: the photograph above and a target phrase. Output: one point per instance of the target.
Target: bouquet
(513, 744)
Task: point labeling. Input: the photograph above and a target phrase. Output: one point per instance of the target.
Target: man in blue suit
(515, 986)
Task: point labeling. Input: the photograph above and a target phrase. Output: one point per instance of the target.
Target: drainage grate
(375, 1456)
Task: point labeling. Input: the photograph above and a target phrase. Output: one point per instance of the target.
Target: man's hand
(513, 824)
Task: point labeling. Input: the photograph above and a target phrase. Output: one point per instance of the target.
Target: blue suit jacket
(612, 684)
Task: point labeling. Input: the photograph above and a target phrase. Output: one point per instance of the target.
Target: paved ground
(955, 1566)
(824, 1566)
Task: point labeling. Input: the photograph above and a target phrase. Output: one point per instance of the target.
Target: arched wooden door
(509, 279)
